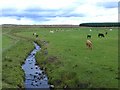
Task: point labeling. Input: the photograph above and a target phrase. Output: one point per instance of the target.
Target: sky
(47, 12)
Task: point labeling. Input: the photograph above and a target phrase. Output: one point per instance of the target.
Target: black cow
(36, 36)
(101, 35)
(88, 36)
(105, 33)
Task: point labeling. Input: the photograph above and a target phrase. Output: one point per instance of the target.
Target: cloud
(58, 11)
(48, 4)
(40, 14)
(13, 20)
(108, 4)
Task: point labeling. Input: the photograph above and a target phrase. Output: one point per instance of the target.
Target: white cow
(51, 31)
(110, 29)
(34, 33)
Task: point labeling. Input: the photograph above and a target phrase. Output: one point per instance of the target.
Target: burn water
(34, 76)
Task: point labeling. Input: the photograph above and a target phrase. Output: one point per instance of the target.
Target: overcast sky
(58, 11)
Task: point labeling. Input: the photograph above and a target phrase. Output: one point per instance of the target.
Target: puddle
(34, 76)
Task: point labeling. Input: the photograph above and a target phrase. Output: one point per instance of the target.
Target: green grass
(12, 73)
(69, 62)
(14, 52)
(7, 42)
(0, 59)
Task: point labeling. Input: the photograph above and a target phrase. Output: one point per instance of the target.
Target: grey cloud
(38, 14)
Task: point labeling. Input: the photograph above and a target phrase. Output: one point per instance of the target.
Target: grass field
(68, 62)
(0, 58)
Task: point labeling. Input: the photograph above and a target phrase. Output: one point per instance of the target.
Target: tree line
(100, 24)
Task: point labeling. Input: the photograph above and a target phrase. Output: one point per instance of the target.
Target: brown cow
(89, 44)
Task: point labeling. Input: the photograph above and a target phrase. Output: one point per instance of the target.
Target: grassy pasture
(14, 52)
(0, 58)
(68, 62)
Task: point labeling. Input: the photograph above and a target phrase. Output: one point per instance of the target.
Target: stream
(34, 76)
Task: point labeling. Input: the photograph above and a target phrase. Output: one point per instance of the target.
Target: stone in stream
(52, 86)
(36, 73)
(33, 54)
(36, 67)
(34, 76)
(38, 78)
(43, 72)
(39, 73)
(36, 84)
(35, 80)
(36, 64)
(41, 78)
(30, 74)
(32, 83)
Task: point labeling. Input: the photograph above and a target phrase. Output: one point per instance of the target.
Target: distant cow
(88, 36)
(101, 35)
(89, 44)
(36, 36)
(106, 33)
(51, 31)
(34, 33)
(110, 29)
(90, 30)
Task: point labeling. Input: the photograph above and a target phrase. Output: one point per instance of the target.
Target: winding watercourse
(34, 76)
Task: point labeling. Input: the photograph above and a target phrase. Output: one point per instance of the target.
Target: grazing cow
(90, 30)
(51, 31)
(106, 33)
(88, 36)
(110, 29)
(36, 36)
(89, 44)
(34, 33)
(101, 35)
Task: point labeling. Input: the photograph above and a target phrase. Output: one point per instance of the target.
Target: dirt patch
(57, 82)
(45, 43)
(83, 85)
(45, 52)
(52, 59)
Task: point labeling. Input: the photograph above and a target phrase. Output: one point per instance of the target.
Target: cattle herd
(89, 36)
(89, 42)
(99, 35)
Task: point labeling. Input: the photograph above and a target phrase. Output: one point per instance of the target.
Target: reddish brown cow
(89, 44)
